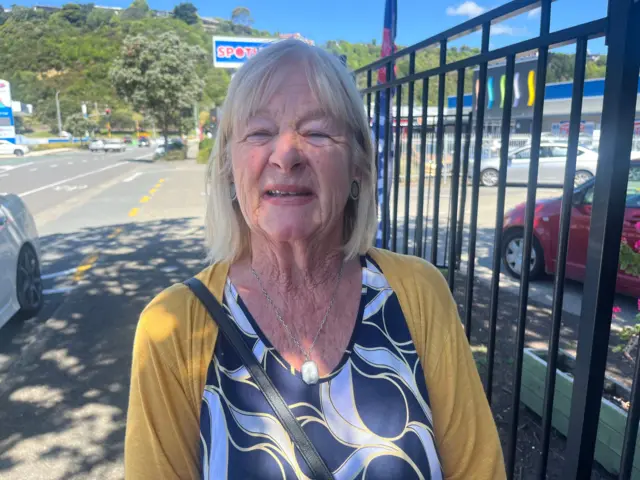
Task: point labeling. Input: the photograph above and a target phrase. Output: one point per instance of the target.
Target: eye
(259, 135)
(317, 137)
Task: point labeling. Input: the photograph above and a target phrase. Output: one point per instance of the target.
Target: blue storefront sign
(232, 52)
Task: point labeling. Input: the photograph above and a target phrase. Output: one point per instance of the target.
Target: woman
(364, 345)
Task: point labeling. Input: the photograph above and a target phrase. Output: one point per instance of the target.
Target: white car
(553, 159)
(20, 280)
(8, 148)
(107, 146)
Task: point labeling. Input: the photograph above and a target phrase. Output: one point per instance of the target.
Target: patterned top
(370, 418)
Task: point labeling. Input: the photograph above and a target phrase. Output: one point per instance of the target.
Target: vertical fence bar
(455, 180)
(396, 168)
(620, 90)
(439, 151)
(385, 173)
(376, 123)
(369, 74)
(407, 176)
(497, 240)
(463, 194)
(481, 99)
(563, 243)
(536, 131)
(421, 168)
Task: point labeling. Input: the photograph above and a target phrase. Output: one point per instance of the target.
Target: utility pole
(58, 112)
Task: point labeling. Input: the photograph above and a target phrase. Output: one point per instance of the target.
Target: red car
(547, 226)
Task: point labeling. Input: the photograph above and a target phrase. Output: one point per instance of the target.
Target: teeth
(278, 193)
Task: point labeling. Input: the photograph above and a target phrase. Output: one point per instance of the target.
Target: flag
(388, 47)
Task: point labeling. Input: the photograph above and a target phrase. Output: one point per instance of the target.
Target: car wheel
(581, 177)
(489, 177)
(18, 153)
(29, 282)
(513, 250)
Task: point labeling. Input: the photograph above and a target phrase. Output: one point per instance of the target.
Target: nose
(286, 153)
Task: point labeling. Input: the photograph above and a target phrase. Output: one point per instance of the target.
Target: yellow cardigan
(174, 345)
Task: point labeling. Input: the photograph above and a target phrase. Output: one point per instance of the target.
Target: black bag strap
(311, 456)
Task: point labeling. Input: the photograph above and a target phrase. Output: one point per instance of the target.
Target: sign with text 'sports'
(233, 52)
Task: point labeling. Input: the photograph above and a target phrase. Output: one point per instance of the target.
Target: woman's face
(291, 165)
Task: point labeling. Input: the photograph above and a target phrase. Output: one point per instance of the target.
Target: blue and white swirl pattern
(369, 419)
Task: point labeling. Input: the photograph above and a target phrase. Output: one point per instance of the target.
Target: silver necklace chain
(307, 354)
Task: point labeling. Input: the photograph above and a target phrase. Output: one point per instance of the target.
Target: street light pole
(58, 112)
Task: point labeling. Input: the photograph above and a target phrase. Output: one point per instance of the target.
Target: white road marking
(84, 161)
(58, 274)
(54, 165)
(53, 291)
(7, 168)
(144, 156)
(132, 177)
(51, 185)
(4, 174)
(69, 163)
(33, 169)
(69, 188)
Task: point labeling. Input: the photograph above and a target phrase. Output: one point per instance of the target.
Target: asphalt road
(115, 230)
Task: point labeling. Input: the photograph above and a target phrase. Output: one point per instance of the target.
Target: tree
(138, 10)
(78, 126)
(74, 14)
(158, 76)
(241, 16)
(187, 12)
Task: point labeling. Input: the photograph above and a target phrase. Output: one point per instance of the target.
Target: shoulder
(175, 320)
(411, 276)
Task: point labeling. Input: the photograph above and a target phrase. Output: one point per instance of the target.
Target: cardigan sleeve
(172, 348)
(466, 432)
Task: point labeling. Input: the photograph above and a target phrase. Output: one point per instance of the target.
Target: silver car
(553, 159)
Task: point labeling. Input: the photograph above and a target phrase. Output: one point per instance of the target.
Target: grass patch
(54, 146)
(175, 155)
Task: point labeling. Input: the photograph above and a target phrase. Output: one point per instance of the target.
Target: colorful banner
(233, 52)
(388, 47)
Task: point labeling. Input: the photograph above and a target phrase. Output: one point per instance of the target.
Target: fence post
(618, 114)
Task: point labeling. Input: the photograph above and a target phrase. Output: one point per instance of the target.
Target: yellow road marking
(145, 199)
(152, 191)
(84, 266)
(157, 186)
(133, 212)
(161, 180)
(117, 231)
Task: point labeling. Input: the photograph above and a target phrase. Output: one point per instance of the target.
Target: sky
(361, 20)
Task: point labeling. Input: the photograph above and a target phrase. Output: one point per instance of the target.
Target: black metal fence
(416, 222)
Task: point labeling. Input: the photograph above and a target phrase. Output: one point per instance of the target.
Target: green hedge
(205, 150)
(54, 146)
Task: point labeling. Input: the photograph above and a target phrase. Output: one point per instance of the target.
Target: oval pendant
(310, 373)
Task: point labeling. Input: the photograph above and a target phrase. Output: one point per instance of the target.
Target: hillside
(71, 51)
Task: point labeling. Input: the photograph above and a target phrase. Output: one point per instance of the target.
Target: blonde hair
(227, 234)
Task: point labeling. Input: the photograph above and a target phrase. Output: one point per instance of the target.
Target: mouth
(287, 192)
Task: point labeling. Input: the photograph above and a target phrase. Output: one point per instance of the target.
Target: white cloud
(499, 29)
(467, 9)
(535, 13)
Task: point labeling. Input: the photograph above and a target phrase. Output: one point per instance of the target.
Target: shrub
(205, 150)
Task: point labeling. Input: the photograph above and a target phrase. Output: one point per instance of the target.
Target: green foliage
(187, 12)
(78, 126)
(138, 10)
(53, 146)
(204, 151)
(158, 76)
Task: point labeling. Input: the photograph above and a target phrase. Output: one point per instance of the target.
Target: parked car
(553, 158)
(547, 225)
(144, 142)
(96, 146)
(127, 140)
(8, 148)
(20, 281)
